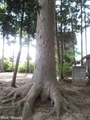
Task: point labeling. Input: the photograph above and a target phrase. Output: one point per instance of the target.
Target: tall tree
(12, 42)
(83, 17)
(43, 83)
(66, 14)
(7, 24)
(81, 32)
(28, 57)
(13, 22)
(85, 28)
(58, 50)
(2, 22)
(61, 42)
(13, 84)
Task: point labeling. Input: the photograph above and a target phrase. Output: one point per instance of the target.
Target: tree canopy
(43, 84)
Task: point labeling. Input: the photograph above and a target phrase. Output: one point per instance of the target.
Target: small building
(87, 65)
(79, 76)
(87, 62)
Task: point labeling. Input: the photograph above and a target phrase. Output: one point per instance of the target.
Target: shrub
(31, 66)
(7, 65)
(21, 68)
(67, 69)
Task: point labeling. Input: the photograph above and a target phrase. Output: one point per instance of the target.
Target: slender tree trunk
(73, 42)
(61, 46)
(64, 46)
(28, 46)
(58, 51)
(85, 28)
(62, 60)
(81, 35)
(13, 84)
(3, 53)
(13, 58)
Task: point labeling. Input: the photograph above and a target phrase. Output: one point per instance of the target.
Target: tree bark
(43, 83)
(58, 52)
(85, 29)
(81, 34)
(45, 51)
(61, 45)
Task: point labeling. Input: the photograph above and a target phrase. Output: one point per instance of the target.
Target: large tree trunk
(45, 52)
(43, 83)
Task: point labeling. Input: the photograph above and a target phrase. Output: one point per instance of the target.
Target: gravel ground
(42, 108)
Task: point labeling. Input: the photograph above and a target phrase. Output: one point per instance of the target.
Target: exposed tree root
(60, 102)
(18, 92)
(29, 93)
(28, 96)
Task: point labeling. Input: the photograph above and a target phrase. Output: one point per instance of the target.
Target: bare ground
(42, 108)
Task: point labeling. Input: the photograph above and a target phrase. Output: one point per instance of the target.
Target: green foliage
(67, 69)
(22, 67)
(11, 16)
(67, 64)
(68, 61)
(31, 67)
(69, 56)
(7, 65)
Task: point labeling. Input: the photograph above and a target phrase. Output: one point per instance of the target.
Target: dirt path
(6, 78)
(41, 108)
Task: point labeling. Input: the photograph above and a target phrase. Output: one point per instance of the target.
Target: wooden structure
(87, 62)
(79, 77)
(87, 65)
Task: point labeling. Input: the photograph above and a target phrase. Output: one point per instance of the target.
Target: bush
(31, 67)
(22, 67)
(67, 69)
(7, 65)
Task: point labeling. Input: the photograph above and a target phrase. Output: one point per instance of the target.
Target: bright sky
(84, 42)
(79, 43)
(8, 49)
